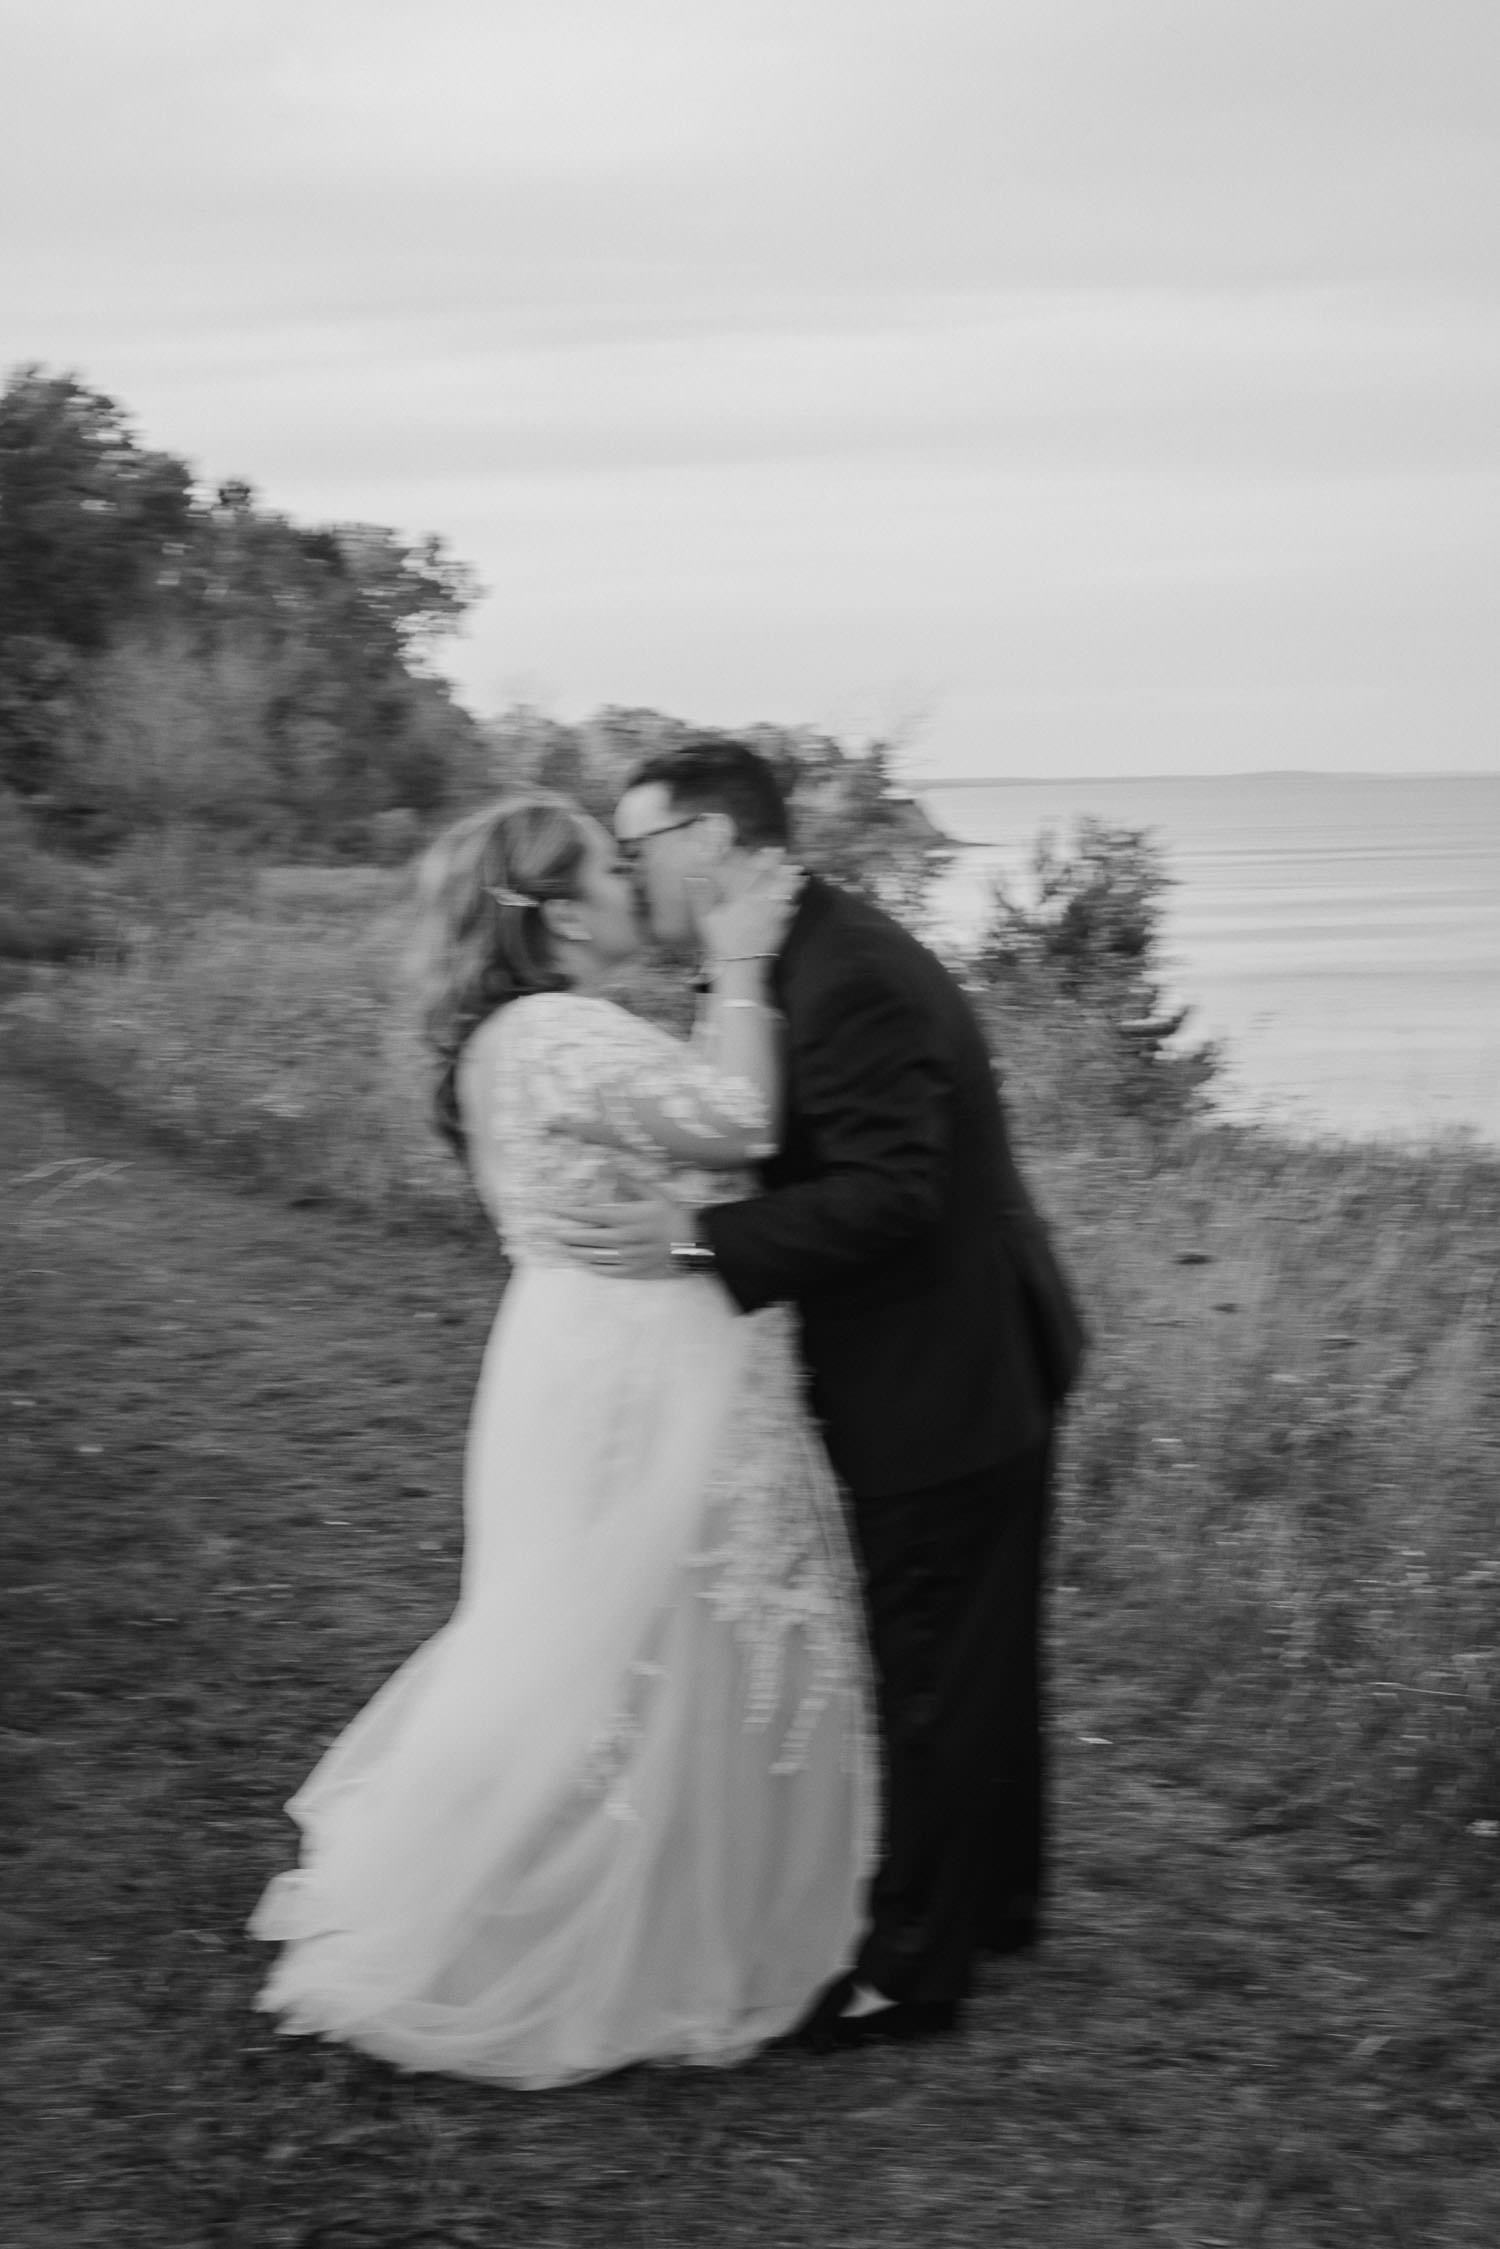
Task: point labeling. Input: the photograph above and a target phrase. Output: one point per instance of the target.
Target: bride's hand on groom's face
(633, 1241)
(752, 925)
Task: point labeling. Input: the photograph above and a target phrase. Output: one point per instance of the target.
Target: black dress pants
(953, 1596)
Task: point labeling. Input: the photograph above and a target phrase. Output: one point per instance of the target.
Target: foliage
(91, 525)
(168, 658)
(270, 741)
(855, 824)
(36, 679)
(303, 1074)
(350, 583)
(47, 909)
(259, 1067)
(851, 819)
(1090, 937)
(91, 522)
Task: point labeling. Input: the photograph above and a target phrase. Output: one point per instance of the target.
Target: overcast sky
(1083, 386)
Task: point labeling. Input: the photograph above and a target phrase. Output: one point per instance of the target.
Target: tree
(92, 529)
(170, 658)
(856, 825)
(351, 584)
(850, 818)
(1091, 938)
(344, 617)
(92, 524)
(416, 591)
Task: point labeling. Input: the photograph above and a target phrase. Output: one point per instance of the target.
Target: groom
(939, 1339)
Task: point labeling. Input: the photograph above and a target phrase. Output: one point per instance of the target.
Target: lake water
(1339, 933)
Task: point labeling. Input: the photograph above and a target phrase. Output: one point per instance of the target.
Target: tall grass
(1280, 1475)
(1289, 1446)
(272, 1037)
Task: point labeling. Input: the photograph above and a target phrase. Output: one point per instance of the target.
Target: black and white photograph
(750, 1124)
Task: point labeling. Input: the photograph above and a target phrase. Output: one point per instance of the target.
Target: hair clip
(504, 897)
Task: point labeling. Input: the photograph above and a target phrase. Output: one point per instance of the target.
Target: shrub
(47, 909)
(1083, 954)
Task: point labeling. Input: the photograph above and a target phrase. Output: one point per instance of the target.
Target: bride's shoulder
(536, 1010)
(568, 1007)
(553, 1019)
(533, 1040)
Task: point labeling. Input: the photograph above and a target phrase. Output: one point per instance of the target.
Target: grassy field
(241, 1315)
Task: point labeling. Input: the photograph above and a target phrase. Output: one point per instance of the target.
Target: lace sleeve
(603, 1075)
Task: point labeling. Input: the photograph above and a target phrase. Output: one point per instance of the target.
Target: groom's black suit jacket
(938, 1330)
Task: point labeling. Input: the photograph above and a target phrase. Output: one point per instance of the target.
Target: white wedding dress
(622, 1807)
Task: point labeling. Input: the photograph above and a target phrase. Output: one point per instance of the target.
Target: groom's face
(670, 853)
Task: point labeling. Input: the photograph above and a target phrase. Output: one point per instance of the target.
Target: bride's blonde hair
(480, 938)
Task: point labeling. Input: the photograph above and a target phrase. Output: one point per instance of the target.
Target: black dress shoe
(901, 2024)
(819, 2026)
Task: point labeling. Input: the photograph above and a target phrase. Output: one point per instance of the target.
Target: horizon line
(1240, 773)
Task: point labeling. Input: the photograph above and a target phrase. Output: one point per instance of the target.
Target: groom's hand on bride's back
(633, 1241)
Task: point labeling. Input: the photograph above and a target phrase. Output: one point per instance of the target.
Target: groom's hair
(722, 773)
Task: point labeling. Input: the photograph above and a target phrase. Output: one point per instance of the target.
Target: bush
(47, 909)
(1083, 956)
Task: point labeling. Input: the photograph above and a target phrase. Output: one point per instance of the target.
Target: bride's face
(605, 903)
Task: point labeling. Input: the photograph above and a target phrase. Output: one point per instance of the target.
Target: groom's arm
(871, 1091)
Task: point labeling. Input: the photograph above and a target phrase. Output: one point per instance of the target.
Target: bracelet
(727, 960)
(761, 1007)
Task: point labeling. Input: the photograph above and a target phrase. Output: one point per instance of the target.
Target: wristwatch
(689, 1256)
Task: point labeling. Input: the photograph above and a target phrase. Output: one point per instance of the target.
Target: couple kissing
(734, 1733)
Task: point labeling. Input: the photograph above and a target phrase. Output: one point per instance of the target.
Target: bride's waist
(580, 1269)
(553, 1272)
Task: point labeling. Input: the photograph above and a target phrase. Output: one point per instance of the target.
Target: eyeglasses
(630, 848)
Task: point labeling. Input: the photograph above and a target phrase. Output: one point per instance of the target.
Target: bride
(622, 1806)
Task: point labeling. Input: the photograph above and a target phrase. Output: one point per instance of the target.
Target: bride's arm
(714, 1105)
(679, 1106)
(741, 939)
(742, 1032)
(717, 1108)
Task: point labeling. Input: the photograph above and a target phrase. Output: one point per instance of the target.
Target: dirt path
(231, 1449)
(205, 1384)
(231, 1438)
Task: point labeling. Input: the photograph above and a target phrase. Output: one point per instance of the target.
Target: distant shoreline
(1186, 780)
(1339, 934)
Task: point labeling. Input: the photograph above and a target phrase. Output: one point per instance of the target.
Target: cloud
(1054, 357)
(611, 152)
(572, 89)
